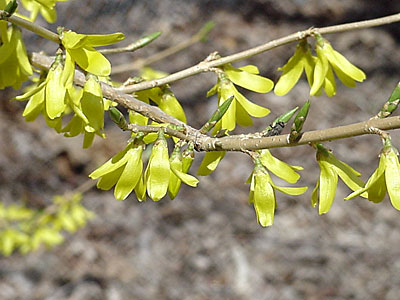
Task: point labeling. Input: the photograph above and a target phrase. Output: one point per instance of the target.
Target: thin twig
(142, 62)
(240, 142)
(39, 30)
(205, 66)
(140, 43)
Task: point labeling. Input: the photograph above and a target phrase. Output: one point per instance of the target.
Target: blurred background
(206, 244)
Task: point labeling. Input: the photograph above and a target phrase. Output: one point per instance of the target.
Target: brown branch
(247, 142)
(154, 129)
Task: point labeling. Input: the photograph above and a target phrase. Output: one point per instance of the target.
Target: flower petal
(292, 71)
(249, 81)
(107, 181)
(131, 174)
(330, 83)
(250, 69)
(349, 176)
(314, 196)
(340, 62)
(158, 171)
(111, 165)
(252, 108)
(96, 40)
(328, 184)
(210, 162)
(278, 167)
(375, 185)
(294, 191)
(91, 61)
(392, 176)
(55, 93)
(320, 71)
(264, 200)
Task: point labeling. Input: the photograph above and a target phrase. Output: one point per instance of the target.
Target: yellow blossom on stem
(88, 106)
(45, 7)
(262, 190)
(240, 109)
(386, 178)
(14, 64)
(80, 49)
(329, 60)
(124, 171)
(332, 168)
(50, 96)
(302, 60)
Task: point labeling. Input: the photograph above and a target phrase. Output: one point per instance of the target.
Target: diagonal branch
(243, 142)
(205, 66)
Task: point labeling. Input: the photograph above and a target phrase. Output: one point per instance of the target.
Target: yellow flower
(210, 162)
(292, 70)
(165, 100)
(332, 168)
(262, 188)
(45, 7)
(50, 95)
(240, 109)
(328, 59)
(178, 174)
(124, 171)
(14, 64)
(79, 48)
(158, 169)
(88, 106)
(385, 178)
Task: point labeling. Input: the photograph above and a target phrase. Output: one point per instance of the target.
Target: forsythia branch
(243, 142)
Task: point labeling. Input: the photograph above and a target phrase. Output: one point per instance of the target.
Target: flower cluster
(262, 188)
(319, 69)
(55, 96)
(240, 109)
(80, 49)
(162, 174)
(45, 7)
(32, 228)
(50, 96)
(14, 64)
(332, 168)
(89, 112)
(386, 178)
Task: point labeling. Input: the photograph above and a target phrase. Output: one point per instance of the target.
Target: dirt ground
(206, 244)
